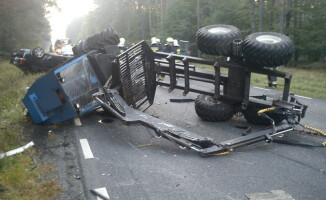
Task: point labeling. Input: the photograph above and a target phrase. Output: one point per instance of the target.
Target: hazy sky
(70, 9)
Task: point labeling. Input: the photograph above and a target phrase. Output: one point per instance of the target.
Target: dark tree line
(302, 20)
(23, 24)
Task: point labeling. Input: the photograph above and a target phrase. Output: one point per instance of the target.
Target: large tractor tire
(267, 49)
(207, 110)
(217, 39)
(97, 41)
(252, 117)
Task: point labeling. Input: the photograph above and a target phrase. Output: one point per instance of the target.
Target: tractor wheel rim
(268, 39)
(219, 30)
(210, 99)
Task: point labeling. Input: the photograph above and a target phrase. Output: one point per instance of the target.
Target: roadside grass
(17, 180)
(306, 81)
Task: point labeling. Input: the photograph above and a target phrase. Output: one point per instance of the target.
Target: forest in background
(23, 24)
(304, 21)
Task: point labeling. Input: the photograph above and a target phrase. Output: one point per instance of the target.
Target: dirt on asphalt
(57, 149)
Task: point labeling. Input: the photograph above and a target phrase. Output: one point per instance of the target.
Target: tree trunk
(157, 17)
(141, 20)
(150, 19)
(282, 16)
(288, 15)
(211, 8)
(271, 20)
(261, 2)
(295, 17)
(198, 20)
(161, 25)
(252, 15)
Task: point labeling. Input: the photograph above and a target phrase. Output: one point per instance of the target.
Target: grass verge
(310, 82)
(17, 180)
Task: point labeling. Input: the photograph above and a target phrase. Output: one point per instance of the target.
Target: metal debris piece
(147, 145)
(16, 151)
(182, 100)
(100, 194)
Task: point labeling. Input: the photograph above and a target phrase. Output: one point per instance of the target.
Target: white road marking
(136, 149)
(86, 148)
(303, 97)
(103, 191)
(261, 88)
(295, 95)
(77, 122)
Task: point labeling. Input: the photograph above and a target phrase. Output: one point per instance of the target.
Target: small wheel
(267, 49)
(38, 52)
(252, 117)
(207, 110)
(217, 39)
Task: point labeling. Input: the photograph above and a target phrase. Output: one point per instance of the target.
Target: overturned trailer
(122, 83)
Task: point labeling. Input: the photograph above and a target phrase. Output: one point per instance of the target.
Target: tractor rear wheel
(217, 39)
(207, 110)
(267, 49)
(97, 41)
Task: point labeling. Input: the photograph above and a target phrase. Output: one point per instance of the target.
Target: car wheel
(217, 39)
(38, 52)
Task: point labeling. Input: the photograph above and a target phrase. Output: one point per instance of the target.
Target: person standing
(168, 47)
(122, 45)
(154, 45)
(176, 46)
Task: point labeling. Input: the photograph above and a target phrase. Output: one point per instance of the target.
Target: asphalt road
(116, 164)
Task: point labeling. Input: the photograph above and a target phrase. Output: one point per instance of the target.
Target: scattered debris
(65, 144)
(246, 127)
(273, 195)
(106, 121)
(77, 177)
(147, 145)
(182, 100)
(100, 194)
(16, 151)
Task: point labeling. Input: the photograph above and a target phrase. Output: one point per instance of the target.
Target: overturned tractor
(122, 83)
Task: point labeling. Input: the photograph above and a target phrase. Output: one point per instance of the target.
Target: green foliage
(304, 21)
(16, 179)
(23, 24)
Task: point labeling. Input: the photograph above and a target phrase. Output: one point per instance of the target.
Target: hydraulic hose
(320, 132)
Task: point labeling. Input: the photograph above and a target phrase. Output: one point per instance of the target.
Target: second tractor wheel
(267, 49)
(217, 39)
(207, 110)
